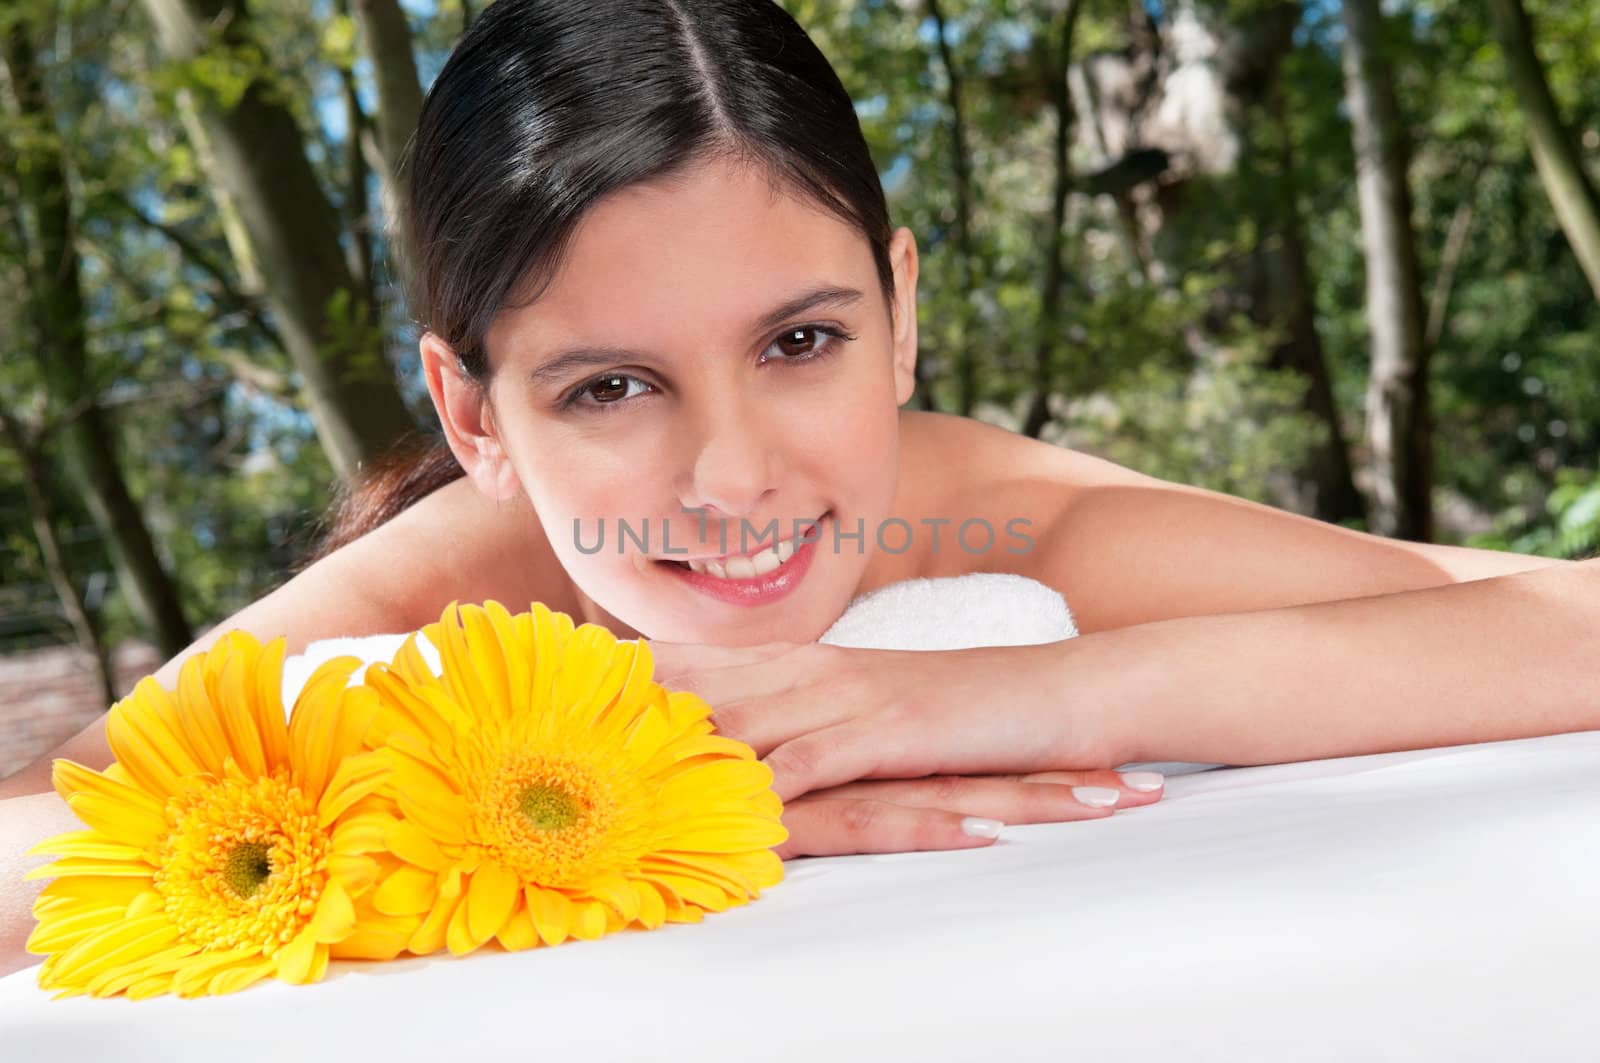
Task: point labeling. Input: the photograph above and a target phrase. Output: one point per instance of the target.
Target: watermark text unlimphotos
(893, 535)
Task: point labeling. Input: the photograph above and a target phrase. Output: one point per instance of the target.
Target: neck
(588, 612)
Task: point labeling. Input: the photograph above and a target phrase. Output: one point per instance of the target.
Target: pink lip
(764, 544)
(758, 590)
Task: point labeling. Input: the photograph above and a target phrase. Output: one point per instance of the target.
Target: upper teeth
(746, 567)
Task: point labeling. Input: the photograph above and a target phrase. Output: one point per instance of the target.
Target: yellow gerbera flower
(225, 844)
(548, 788)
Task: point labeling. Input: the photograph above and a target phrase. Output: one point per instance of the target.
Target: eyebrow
(569, 358)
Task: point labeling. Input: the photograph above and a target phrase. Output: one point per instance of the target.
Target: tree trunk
(1571, 193)
(1398, 416)
(57, 307)
(1177, 114)
(1285, 301)
(35, 480)
(386, 42)
(1049, 338)
(961, 171)
(257, 154)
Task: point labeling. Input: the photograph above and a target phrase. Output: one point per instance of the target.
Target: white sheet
(1434, 905)
(1440, 905)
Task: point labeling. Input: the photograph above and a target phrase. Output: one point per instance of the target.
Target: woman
(658, 285)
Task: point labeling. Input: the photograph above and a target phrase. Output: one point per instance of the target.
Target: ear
(903, 259)
(468, 421)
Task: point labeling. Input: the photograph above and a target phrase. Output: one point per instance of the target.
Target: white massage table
(1434, 905)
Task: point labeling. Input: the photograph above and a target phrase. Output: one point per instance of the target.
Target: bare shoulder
(456, 545)
(976, 454)
(1124, 548)
(958, 470)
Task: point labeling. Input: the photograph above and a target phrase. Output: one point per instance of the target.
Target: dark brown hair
(545, 107)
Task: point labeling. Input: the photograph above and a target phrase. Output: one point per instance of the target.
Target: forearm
(24, 822)
(1507, 657)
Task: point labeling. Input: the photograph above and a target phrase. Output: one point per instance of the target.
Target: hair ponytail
(409, 472)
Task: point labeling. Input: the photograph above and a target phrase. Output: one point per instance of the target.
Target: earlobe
(467, 418)
(903, 258)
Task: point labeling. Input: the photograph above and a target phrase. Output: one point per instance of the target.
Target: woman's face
(713, 356)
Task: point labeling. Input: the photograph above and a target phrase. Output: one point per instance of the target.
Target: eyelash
(834, 338)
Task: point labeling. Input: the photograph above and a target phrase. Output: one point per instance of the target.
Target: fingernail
(1096, 796)
(981, 828)
(1143, 781)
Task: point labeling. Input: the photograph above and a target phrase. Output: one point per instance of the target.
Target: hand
(834, 723)
(900, 815)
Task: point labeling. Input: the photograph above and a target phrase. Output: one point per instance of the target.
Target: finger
(766, 721)
(1007, 800)
(832, 756)
(738, 682)
(841, 827)
(1132, 788)
(677, 658)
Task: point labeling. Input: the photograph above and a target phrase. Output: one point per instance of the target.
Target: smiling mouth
(750, 566)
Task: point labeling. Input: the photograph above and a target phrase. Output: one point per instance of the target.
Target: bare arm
(451, 545)
(1132, 553)
(1497, 658)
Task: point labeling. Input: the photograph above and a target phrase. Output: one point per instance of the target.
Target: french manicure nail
(1143, 781)
(981, 828)
(1096, 796)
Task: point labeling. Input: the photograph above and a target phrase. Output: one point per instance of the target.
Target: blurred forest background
(1340, 257)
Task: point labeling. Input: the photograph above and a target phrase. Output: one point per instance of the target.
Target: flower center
(243, 862)
(549, 817)
(547, 807)
(247, 868)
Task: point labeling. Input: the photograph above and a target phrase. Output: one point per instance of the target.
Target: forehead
(709, 249)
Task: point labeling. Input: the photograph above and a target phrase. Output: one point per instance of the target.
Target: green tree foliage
(1159, 356)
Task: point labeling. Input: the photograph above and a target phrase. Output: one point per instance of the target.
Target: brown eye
(795, 344)
(608, 389)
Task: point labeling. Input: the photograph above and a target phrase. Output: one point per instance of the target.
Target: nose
(733, 465)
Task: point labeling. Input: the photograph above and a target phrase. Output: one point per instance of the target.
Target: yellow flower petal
(194, 978)
(296, 960)
(430, 934)
(458, 934)
(335, 916)
(98, 868)
(517, 933)
(314, 722)
(491, 894)
(409, 891)
(130, 804)
(357, 776)
(197, 716)
(142, 732)
(590, 921)
(364, 832)
(125, 942)
(551, 912)
(372, 940)
(114, 981)
(356, 873)
(272, 723)
(233, 979)
(410, 843)
(728, 833)
(652, 912)
(59, 934)
(88, 844)
(235, 703)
